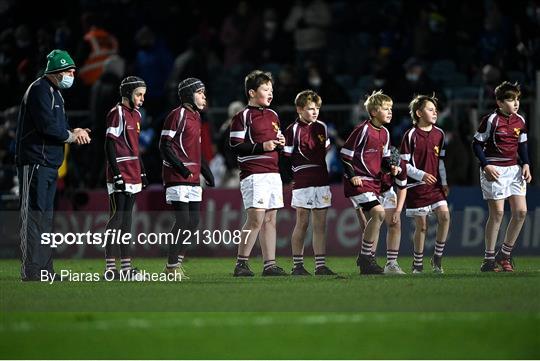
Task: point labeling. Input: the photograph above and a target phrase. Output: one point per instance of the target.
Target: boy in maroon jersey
(423, 149)
(500, 139)
(255, 137)
(306, 143)
(392, 198)
(180, 147)
(392, 202)
(125, 171)
(362, 155)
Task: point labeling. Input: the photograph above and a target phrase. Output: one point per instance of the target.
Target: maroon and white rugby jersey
(123, 128)
(182, 128)
(424, 151)
(255, 125)
(364, 149)
(306, 144)
(500, 134)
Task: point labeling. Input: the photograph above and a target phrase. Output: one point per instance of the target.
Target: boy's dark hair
(419, 102)
(507, 90)
(255, 79)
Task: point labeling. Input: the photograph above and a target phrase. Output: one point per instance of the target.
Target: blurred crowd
(459, 50)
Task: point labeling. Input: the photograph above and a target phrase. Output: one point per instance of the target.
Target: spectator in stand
(309, 22)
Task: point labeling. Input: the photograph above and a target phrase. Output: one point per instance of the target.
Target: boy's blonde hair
(418, 103)
(307, 96)
(507, 90)
(255, 79)
(376, 100)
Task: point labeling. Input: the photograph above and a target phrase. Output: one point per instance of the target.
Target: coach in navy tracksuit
(42, 131)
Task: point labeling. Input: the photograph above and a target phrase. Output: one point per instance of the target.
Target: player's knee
(254, 223)
(394, 226)
(444, 217)
(378, 216)
(270, 219)
(421, 227)
(519, 215)
(302, 224)
(496, 216)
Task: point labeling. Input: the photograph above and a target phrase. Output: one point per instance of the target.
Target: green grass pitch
(461, 314)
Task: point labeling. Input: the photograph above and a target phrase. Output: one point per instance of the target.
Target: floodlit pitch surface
(461, 314)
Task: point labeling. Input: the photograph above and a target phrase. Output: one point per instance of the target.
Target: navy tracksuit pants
(37, 187)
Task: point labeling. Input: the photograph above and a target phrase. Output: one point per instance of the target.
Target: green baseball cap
(58, 60)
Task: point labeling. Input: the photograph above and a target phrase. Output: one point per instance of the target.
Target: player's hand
(446, 190)
(429, 179)
(526, 173)
(270, 145)
(81, 136)
(281, 139)
(185, 172)
(396, 217)
(118, 182)
(144, 180)
(356, 181)
(210, 182)
(491, 173)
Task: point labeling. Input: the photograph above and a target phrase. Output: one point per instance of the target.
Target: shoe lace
(372, 262)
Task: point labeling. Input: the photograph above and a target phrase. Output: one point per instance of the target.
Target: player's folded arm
(110, 152)
(167, 154)
(346, 159)
(245, 148)
(478, 150)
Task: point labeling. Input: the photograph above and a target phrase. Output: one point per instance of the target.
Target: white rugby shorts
(183, 193)
(388, 199)
(509, 183)
(262, 190)
(425, 211)
(312, 197)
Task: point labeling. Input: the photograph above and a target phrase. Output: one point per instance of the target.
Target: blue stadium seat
(455, 79)
(365, 81)
(440, 70)
(273, 68)
(356, 94)
(345, 80)
(464, 92)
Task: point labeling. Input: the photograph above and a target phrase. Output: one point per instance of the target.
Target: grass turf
(462, 314)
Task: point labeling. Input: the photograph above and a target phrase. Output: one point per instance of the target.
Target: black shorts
(369, 205)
